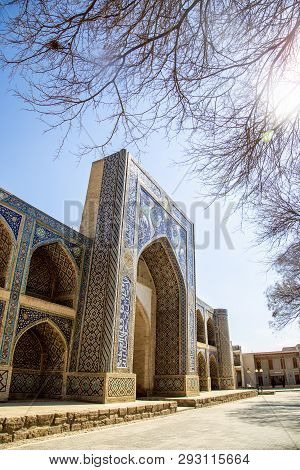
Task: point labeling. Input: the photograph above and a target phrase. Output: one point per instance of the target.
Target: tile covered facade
(86, 303)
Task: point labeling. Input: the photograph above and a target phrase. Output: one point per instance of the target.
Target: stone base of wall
(204, 384)
(105, 387)
(176, 385)
(31, 426)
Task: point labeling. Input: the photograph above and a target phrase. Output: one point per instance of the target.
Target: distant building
(238, 368)
(273, 368)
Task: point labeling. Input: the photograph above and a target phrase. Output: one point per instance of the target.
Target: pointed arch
(39, 362)
(6, 249)
(200, 327)
(213, 372)
(167, 326)
(211, 334)
(53, 275)
(202, 371)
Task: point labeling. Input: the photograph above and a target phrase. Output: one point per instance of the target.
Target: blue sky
(229, 275)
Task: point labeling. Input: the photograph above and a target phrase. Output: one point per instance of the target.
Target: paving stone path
(263, 422)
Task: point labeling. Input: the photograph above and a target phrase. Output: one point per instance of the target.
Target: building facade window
(295, 363)
(270, 362)
(258, 364)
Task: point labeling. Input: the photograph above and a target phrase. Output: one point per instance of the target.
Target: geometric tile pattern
(224, 350)
(40, 347)
(193, 346)
(167, 384)
(28, 352)
(5, 251)
(43, 235)
(192, 384)
(39, 352)
(13, 305)
(2, 307)
(12, 218)
(121, 386)
(98, 327)
(50, 385)
(26, 383)
(202, 369)
(28, 316)
(79, 320)
(36, 385)
(3, 380)
(52, 347)
(85, 386)
(124, 323)
(202, 372)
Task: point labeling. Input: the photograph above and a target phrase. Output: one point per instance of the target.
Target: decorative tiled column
(225, 366)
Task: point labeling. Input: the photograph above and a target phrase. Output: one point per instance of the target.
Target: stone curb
(28, 427)
(217, 400)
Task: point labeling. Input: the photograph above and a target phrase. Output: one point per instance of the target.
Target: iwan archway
(160, 298)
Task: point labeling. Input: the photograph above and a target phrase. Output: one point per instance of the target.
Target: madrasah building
(109, 313)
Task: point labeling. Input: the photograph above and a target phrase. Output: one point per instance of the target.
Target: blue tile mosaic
(12, 218)
(124, 323)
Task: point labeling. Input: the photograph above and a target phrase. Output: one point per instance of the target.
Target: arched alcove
(202, 371)
(200, 327)
(213, 372)
(211, 335)
(52, 275)
(39, 362)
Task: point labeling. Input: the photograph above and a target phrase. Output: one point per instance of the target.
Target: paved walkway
(26, 408)
(263, 422)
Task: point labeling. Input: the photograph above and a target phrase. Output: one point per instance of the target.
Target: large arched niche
(52, 275)
(159, 272)
(6, 247)
(39, 363)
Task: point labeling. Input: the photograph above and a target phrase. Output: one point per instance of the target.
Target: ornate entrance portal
(160, 295)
